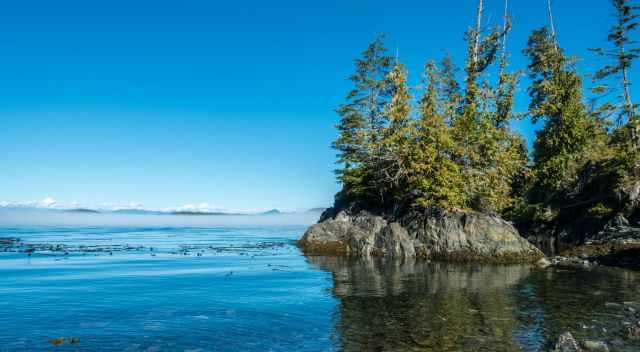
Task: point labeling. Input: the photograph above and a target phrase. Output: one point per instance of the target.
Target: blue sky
(167, 103)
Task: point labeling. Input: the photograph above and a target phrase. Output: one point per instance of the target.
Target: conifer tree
(556, 99)
(435, 178)
(507, 81)
(450, 91)
(391, 167)
(485, 144)
(622, 55)
(467, 128)
(361, 120)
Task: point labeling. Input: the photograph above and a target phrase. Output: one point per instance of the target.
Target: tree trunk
(626, 87)
(504, 28)
(552, 26)
(476, 44)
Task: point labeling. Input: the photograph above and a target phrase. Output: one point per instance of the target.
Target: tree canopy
(447, 143)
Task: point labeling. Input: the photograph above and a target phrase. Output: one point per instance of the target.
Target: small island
(438, 171)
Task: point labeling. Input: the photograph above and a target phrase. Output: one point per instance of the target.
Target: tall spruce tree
(621, 157)
(621, 56)
(362, 118)
(486, 147)
(435, 178)
(556, 99)
(392, 166)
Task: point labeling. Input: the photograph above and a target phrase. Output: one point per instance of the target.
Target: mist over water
(14, 217)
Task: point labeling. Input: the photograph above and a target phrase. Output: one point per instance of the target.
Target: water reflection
(421, 306)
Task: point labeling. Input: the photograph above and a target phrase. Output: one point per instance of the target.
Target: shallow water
(250, 289)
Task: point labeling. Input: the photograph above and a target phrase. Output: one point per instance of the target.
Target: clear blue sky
(166, 103)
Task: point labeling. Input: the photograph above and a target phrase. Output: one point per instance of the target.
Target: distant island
(438, 172)
(135, 211)
(81, 210)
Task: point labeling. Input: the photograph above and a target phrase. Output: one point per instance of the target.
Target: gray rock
(571, 262)
(617, 230)
(470, 236)
(462, 236)
(632, 194)
(394, 241)
(543, 263)
(567, 343)
(633, 332)
(595, 346)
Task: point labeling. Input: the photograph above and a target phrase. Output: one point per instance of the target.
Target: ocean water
(250, 289)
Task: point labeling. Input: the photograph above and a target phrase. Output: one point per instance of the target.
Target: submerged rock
(567, 343)
(544, 263)
(458, 236)
(571, 262)
(595, 346)
(633, 332)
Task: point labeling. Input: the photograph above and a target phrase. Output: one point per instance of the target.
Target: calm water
(250, 289)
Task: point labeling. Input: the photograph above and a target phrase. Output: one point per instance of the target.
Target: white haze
(18, 217)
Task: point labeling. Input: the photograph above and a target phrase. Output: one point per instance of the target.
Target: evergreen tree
(622, 55)
(507, 81)
(621, 157)
(361, 120)
(391, 167)
(486, 147)
(435, 178)
(556, 99)
(450, 91)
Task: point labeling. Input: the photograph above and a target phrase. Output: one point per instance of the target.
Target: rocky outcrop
(456, 236)
(618, 230)
(567, 343)
(616, 244)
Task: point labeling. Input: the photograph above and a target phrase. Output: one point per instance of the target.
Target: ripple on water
(250, 289)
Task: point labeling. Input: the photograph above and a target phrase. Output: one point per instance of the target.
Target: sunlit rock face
(457, 236)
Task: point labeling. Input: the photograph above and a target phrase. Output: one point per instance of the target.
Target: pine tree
(361, 120)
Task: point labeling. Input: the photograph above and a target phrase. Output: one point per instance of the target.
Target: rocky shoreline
(461, 237)
(451, 236)
(478, 237)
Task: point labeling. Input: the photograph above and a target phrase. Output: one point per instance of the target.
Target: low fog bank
(17, 217)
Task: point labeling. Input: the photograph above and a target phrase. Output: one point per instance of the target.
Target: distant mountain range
(213, 213)
(137, 212)
(133, 211)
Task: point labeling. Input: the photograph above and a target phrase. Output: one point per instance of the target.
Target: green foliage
(453, 147)
(435, 178)
(620, 56)
(455, 151)
(600, 210)
(556, 98)
(362, 118)
(391, 163)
